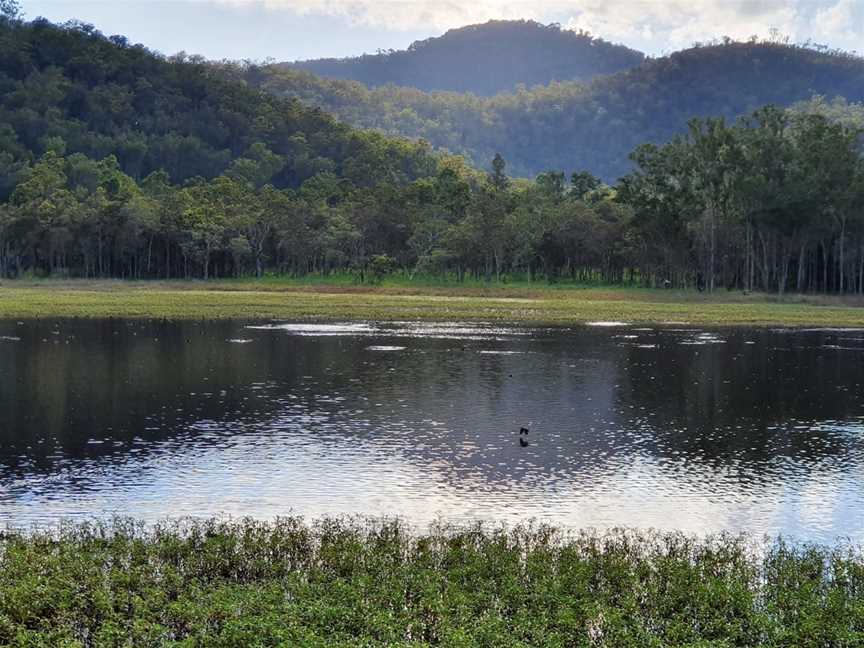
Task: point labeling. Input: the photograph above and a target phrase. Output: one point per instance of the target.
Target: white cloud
(415, 14)
(655, 25)
(842, 20)
(679, 23)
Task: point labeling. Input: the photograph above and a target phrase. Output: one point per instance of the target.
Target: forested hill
(587, 126)
(485, 59)
(69, 89)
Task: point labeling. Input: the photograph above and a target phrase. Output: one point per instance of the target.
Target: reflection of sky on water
(672, 429)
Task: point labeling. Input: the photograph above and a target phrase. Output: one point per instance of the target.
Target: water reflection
(668, 427)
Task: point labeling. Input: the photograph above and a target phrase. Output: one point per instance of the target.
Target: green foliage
(772, 202)
(119, 163)
(68, 89)
(485, 59)
(351, 582)
(592, 125)
(381, 265)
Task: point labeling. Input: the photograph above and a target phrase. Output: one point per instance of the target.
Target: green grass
(349, 582)
(398, 300)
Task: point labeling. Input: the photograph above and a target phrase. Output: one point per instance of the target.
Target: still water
(673, 427)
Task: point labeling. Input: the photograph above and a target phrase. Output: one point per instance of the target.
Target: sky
(288, 30)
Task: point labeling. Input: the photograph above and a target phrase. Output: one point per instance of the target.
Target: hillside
(591, 126)
(485, 59)
(117, 162)
(72, 90)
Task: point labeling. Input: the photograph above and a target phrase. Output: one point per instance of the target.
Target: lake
(668, 427)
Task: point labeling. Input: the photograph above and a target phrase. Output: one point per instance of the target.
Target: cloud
(408, 15)
(679, 23)
(655, 25)
(840, 21)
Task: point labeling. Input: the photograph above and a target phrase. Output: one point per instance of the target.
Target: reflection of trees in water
(738, 403)
(118, 382)
(465, 429)
(145, 384)
(593, 403)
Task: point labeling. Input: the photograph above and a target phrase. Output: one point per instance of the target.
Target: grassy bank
(398, 301)
(350, 583)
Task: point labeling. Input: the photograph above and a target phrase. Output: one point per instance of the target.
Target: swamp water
(670, 427)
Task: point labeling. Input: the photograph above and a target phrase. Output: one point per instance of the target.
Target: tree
(583, 183)
(10, 9)
(498, 178)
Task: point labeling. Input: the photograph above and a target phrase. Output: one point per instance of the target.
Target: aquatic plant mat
(354, 582)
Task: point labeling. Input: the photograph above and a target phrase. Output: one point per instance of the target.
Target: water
(671, 427)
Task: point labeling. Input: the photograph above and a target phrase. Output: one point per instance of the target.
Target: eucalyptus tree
(660, 194)
(10, 9)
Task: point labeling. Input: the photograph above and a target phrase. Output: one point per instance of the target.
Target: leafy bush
(350, 581)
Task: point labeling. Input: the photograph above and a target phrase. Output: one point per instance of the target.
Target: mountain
(593, 126)
(485, 59)
(70, 89)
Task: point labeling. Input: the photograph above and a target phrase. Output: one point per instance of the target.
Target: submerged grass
(352, 582)
(301, 300)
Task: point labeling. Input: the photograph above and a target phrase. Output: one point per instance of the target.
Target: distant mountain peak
(485, 59)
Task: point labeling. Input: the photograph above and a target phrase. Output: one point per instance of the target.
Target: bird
(523, 437)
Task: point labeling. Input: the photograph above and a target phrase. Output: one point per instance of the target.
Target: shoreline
(195, 300)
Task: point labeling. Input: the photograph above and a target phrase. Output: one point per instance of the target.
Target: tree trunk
(842, 254)
(799, 284)
(784, 275)
(824, 267)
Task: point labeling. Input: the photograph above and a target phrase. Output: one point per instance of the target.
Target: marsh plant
(360, 582)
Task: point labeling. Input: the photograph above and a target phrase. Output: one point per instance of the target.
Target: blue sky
(299, 29)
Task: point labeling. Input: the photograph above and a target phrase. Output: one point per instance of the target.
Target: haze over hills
(593, 126)
(485, 59)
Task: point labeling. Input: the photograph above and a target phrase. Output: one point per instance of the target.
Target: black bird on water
(523, 437)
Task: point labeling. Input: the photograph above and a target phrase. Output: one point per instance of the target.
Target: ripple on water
(703, 338)
(322, 425)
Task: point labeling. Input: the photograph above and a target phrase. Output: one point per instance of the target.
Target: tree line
(772, 202)
(90, 187)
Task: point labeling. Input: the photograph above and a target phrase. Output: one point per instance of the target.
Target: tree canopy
(116, 162)
(592, 125)
(72, 90)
